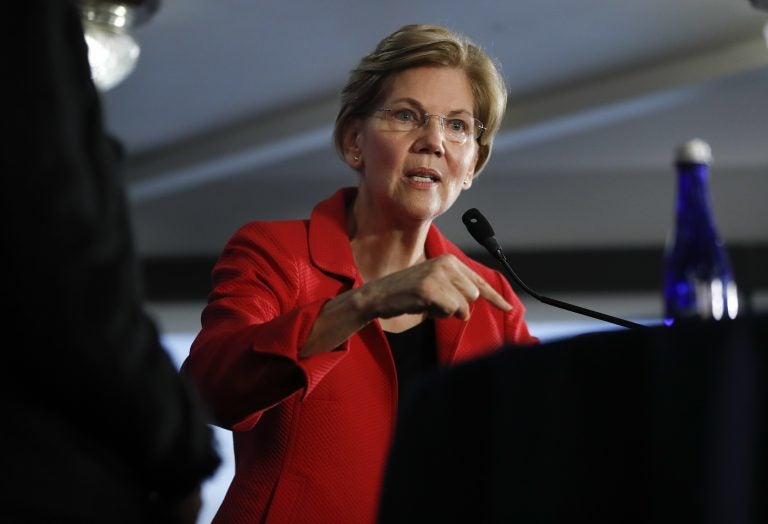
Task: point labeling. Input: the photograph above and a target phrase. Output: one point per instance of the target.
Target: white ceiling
(228, 115)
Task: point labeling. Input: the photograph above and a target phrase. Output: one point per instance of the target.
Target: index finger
(489, 293)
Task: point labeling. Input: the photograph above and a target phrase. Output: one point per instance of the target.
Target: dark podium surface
(663, 424)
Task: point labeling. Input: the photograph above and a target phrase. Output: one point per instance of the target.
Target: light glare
(111, 54)
(716, 294)
(732, 299)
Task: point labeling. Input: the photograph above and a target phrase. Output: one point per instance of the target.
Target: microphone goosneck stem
(483, 233)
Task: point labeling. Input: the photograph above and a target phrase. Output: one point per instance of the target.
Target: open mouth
(423, 175)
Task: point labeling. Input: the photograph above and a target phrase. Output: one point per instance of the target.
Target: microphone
(482, 232)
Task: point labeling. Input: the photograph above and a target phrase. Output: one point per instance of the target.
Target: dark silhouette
(98, 425)
(653, 425)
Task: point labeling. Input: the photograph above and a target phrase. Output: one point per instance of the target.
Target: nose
(431, 137)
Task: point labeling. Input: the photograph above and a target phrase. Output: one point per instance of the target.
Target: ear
(351, 142)
(470, 176)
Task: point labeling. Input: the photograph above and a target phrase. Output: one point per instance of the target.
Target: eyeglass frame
(442, 119)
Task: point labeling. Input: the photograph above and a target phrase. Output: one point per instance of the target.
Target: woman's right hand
(439, 287)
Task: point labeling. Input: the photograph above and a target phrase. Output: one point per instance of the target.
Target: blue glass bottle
(698, 279)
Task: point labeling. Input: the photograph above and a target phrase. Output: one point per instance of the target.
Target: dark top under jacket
(414, 352)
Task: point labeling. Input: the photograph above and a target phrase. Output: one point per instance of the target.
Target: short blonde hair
(424, 45)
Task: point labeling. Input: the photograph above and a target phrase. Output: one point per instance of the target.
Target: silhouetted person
(97, 424)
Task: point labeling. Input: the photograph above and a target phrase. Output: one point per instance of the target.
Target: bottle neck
(693, 203)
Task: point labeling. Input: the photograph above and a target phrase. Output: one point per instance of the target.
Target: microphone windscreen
(478, 226)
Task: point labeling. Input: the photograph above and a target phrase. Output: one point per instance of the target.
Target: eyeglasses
(457, 129)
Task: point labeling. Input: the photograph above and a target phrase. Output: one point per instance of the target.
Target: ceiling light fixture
(112, 50)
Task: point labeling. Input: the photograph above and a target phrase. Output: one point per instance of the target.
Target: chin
(424, 212)
(422, 206)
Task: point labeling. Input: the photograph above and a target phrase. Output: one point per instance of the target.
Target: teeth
(419, 178)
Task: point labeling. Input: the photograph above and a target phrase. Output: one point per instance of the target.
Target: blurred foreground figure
(640, 426)
(97, 424)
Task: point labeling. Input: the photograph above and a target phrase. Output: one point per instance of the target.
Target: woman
(313, 326)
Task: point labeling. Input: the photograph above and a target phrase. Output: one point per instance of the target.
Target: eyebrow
(418, 104)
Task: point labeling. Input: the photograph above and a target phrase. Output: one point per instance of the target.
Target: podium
(664, 424)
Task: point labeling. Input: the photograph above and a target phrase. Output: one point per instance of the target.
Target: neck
(381, 247)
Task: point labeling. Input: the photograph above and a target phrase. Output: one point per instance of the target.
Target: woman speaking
(315, 327)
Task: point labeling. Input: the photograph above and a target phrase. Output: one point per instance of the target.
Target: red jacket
(311, 436)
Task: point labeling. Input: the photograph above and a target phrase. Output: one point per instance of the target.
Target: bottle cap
(695, 151)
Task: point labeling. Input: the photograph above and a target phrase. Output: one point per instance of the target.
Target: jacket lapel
(329, 247)
(448, 333)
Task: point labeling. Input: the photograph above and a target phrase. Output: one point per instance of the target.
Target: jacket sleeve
(85, 354)
(245, 358)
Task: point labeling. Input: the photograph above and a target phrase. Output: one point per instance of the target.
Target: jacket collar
(329, 247)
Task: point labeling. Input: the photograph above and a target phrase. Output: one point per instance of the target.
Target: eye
(404, 115)
(457, 125)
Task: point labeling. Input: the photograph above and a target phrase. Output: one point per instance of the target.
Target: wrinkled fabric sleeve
(245, 358)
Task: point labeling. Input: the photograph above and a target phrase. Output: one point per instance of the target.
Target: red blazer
(311, 436)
